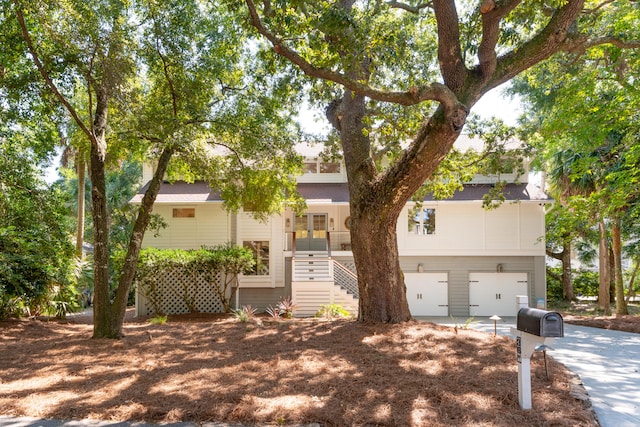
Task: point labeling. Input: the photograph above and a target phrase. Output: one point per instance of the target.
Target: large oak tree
(428, 61)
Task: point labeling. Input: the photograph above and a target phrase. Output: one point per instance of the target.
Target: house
(458, 258)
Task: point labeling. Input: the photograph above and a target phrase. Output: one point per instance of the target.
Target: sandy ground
(276, 372)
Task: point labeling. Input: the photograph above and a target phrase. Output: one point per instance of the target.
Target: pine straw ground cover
(587, 314)
(335, 373)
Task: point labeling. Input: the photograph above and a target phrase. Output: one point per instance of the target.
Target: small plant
(331, 311)
(273, 312)
(158, 320)
(12, 307)
(466, 325)
(286, 307)
(244, 314)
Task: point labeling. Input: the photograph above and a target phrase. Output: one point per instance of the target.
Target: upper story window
(320, 166)
(422, 221)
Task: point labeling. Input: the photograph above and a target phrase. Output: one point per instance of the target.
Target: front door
(311, 232)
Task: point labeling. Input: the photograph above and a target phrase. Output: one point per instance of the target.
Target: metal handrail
(345, 278)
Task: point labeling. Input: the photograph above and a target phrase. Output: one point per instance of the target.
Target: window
(316, 166)
(310, 167)
(329, 167)
(422, 221)
(260, 249)
(184, 212)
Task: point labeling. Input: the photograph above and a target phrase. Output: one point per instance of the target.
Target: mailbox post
(534, 327)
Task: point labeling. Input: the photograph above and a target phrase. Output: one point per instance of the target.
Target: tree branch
(491, 17)
(165, 67)
(547, 42)
(47, 78)
(556, 276)
(413, 9)
(582, 45)
(598, 7)
(452, 65)
(435, 91)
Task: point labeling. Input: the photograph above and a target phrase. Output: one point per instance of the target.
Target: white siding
(467, 229)
(272, 230)
(209, 227)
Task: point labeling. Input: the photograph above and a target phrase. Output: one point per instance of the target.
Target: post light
(495, 319)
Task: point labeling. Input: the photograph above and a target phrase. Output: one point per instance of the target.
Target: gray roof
(326, 193)
(181, 192)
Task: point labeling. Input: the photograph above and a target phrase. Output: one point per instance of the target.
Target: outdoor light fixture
(544, 349)
(495, 319)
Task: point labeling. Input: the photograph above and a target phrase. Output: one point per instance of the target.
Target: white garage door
(495, 293)
(427, 293)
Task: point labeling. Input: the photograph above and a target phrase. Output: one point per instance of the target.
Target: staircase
(318, 280)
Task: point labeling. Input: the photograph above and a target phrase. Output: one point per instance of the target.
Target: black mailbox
(540, 322)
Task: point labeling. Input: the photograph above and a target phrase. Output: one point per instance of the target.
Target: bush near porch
(174, 280)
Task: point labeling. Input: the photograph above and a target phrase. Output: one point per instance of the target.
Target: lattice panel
(177, 287)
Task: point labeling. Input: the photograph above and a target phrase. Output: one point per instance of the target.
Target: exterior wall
(465, 228)
(213, 225)
(459, 267)
(261, 298)
(337, 215)
(209, 227)
(249, 228)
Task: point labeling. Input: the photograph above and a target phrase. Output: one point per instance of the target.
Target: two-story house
(458, 258)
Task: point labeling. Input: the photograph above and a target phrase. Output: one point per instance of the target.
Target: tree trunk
(605, 281)
(102, 301)
(373, 224)
(567, 279)
(380, 278)
(632, 281)
(130, 266)
(102, 325)
(616, 242)
(81, 167)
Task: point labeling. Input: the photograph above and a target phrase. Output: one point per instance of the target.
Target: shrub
(585, 283)
(158, 320)
(224, 261)
(244, 314)
(331, 311)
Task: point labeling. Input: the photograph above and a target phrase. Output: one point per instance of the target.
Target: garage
(427, 293)
(495, 293)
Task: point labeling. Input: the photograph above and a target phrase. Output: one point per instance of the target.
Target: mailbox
(540, 322)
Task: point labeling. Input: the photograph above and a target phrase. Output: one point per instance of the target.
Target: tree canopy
(428, 63)
(585, 125)
(151, 80)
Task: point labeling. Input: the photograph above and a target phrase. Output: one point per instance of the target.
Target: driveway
(607, 362)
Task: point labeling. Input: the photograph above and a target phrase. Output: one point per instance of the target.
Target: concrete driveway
(607, 362)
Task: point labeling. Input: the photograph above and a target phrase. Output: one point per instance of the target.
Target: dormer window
(329, 167)
(314, 166)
